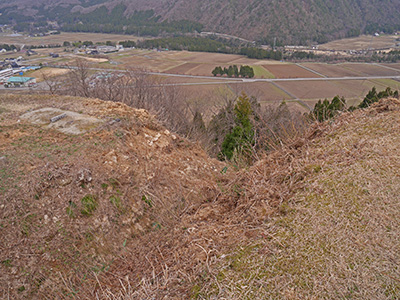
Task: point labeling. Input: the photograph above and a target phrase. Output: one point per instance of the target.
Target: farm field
(207, 97)
(371, 69)
(189, 63)
(265, 92)
(64, 36)
(384, 83)
(331, 70)
(394, 66)
(183, 69)
(212, 58)
(49, 72)
(201, 64)
(261, 72)
(323, 89)
(289, 71)
(361, 43)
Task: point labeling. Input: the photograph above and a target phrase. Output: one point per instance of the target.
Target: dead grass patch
(289, 71)
(334, 235)
(315, 219)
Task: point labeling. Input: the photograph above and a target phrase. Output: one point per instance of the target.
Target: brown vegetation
(131, 210)
(289, 71)
(71, 204)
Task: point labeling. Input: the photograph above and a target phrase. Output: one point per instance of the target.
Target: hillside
(107, 202)
(77, 193)
(289, 21)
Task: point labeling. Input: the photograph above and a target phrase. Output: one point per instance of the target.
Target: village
(12, 69)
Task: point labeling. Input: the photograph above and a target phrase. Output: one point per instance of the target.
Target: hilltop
(126, 208)
(76, 193)
(289, 21)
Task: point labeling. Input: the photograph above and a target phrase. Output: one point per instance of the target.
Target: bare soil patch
(72, 123)
(395, 66)
(65, 36)
(311, 90)
(331, 70)
(361, 43)
(47, 72)
(372, 70)
(289, 71)
(183, 69)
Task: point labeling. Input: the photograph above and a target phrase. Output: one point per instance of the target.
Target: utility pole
(274, 44)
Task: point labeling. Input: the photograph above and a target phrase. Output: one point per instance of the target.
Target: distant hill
(290, 21)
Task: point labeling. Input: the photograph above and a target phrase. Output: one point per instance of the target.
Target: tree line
(201, 44)
(234, 71)
(325, 110)
(8, 47)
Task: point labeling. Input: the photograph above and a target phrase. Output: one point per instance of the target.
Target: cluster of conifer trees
(324, 110)
(234, 71)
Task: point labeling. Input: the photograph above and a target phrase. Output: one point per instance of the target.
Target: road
(213, 80)
(222, 80)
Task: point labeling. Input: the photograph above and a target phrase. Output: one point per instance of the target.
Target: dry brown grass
(362, 42)
(289, 71)
(336, 235)
(316, 219)
(65, 36)
(47, 73)
(141, 176)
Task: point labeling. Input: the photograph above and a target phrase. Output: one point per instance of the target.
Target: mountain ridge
(290, 21)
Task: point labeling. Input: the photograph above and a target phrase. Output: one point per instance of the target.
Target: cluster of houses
(10, 63)
(95, 50)
(11, 73)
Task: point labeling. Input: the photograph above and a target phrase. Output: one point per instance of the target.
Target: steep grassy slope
(291, 21)
(70, 204)
(337, 235)
(130, 210)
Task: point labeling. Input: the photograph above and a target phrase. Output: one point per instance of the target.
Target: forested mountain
(290, 21)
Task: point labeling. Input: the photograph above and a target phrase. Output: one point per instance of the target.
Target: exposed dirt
(47, 72)
(289, 71)
(332, 70)
(71, 203)
(65, 36)
(70, 122)
(128, 210)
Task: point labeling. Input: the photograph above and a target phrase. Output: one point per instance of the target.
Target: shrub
(89, 205)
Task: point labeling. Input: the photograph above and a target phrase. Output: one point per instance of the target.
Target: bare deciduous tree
(108, 86)
(78, 81)
(52, 83)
